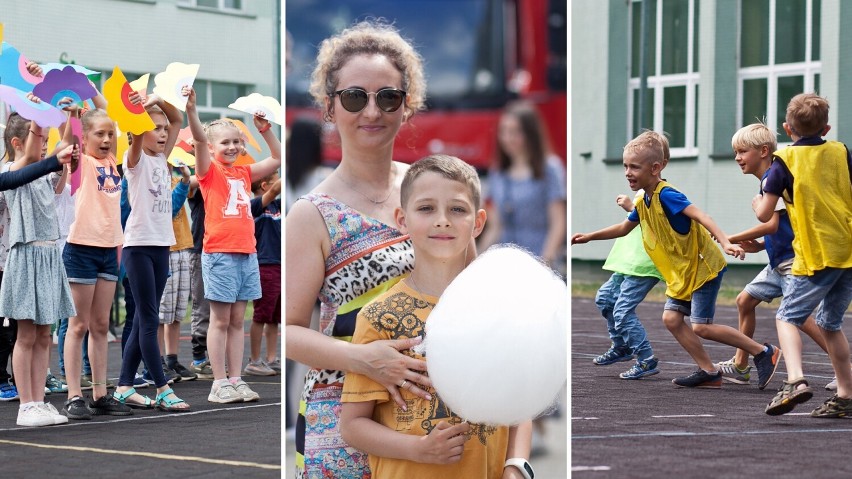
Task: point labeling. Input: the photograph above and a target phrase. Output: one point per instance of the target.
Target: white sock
(25, 406)
(235, 379)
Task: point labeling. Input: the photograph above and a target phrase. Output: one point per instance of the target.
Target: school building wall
(600, 35)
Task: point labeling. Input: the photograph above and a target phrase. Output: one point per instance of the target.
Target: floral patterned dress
(367, 257)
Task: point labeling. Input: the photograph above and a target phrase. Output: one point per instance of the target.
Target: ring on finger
(403, 383)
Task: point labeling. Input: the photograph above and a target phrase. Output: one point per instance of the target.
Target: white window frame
(771, 72)
(220, 5)
(657, 82)
(223, 112)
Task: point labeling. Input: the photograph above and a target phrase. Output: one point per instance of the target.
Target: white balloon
(496, 343)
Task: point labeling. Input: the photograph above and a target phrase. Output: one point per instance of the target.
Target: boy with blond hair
(814, 177)
(440, 211)
(676, 235)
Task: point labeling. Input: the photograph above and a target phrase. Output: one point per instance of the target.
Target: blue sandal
(123, 399)
(163, 403)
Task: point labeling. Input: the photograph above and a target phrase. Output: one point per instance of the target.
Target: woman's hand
(444, 444)
(383, 362)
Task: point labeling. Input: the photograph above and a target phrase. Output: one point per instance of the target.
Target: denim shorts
(85, 264)
(768, 285)
(830, 289)
(230, 277)
(702, 307)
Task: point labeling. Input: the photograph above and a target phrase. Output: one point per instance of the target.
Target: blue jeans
(63, 329)
(702, 307)
(617, 300)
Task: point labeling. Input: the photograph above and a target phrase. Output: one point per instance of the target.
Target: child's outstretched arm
(615, 231)
(444, 445)
(273, 163)
(764, 206)
(520, 440)
(706, 221)
(272, 193)
(202, 154)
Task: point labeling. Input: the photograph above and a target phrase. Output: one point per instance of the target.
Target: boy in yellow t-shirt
(676, 235)
(441, 213)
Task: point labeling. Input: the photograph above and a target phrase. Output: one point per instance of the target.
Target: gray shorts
(768, 284)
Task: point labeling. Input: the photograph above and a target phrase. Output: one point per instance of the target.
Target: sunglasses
(355, 99)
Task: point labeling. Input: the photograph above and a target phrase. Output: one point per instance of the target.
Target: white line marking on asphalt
(584, 418)
(717, 433)
(685, 415)
(589, 468)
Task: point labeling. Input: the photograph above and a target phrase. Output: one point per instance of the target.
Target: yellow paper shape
(130, 117)
(121, 146)
(1, 33)
(179, 156)
(53, 139)
(256, 102)
(168, 84)
(249, 138)
(141, 84)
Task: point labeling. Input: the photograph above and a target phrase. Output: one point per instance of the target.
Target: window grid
(657, 83)
(809, 70)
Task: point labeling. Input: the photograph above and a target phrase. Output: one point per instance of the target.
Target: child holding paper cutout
(230, 268)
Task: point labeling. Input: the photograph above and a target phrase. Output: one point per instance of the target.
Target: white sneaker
(34, 417)
(51, 411)
(832, 386)
(258, 368)
(224, 395)
(246, 392)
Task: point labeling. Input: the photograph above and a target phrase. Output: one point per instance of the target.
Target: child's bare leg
(271, 333)
(791, 343)
(255, 339)
(22, 361)
(236, 341)
(727, 335)
(82, 295)
(217, 334)
(38, 369)
(98, 329)
(746, 305)
(687, 339)
(838, 352)
(814, 332)
(172, 338)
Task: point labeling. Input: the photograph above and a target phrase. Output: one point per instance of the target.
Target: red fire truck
(479, 55)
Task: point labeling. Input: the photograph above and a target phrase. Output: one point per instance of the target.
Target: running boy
(675, 234)
(441, 213)
(813, 177)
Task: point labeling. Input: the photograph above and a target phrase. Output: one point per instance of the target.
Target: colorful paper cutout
(58, 84)
(13, 70)
(1, 33)
(180, 157)
(47, 67)
(44, 114)
(130, 117)
(255, 102)
(141, 84)
(168, 84)
(244, 159)
(248, 136)
(121, 146)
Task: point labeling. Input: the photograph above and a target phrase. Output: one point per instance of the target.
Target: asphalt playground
(211, 441)
(649, 428)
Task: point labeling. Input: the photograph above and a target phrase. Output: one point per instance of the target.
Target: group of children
(140, 222)
(805, 209)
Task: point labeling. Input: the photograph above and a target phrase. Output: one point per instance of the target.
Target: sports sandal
(165, 404)
(124, 397)
(789, 394)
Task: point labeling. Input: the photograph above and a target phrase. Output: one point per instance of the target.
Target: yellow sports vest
(685, 261)
(821, 207)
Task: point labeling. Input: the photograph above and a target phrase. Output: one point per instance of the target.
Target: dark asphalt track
(651, 429)
(212, 441)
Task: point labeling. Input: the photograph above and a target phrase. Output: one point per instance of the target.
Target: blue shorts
(768, 285)
(230, 277)
(702, 307)
(830, 289)
(85, 264)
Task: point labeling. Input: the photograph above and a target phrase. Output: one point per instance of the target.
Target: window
(225, 5)
(672, 72)
(779, 57)
(214, 97)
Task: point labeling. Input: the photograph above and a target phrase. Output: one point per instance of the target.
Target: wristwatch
(522, 465)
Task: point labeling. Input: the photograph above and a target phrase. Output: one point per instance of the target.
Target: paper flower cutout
(141, 84)
(13, 70)
(48, 67)
(244, 159)
(58, 84)
(130, 117)
(169, 83)
(256, 102)
(179, 158)
(44, 114)
(247, 133)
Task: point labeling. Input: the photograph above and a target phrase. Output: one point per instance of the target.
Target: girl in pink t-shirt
(229, 258)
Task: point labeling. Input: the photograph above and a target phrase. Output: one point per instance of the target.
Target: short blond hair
(649, 145)
(807, 114)
(447, 166)
(754, 136)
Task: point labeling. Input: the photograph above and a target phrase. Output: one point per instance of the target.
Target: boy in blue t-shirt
(266, 210)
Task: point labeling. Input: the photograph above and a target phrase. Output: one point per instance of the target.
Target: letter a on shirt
(239, 201)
